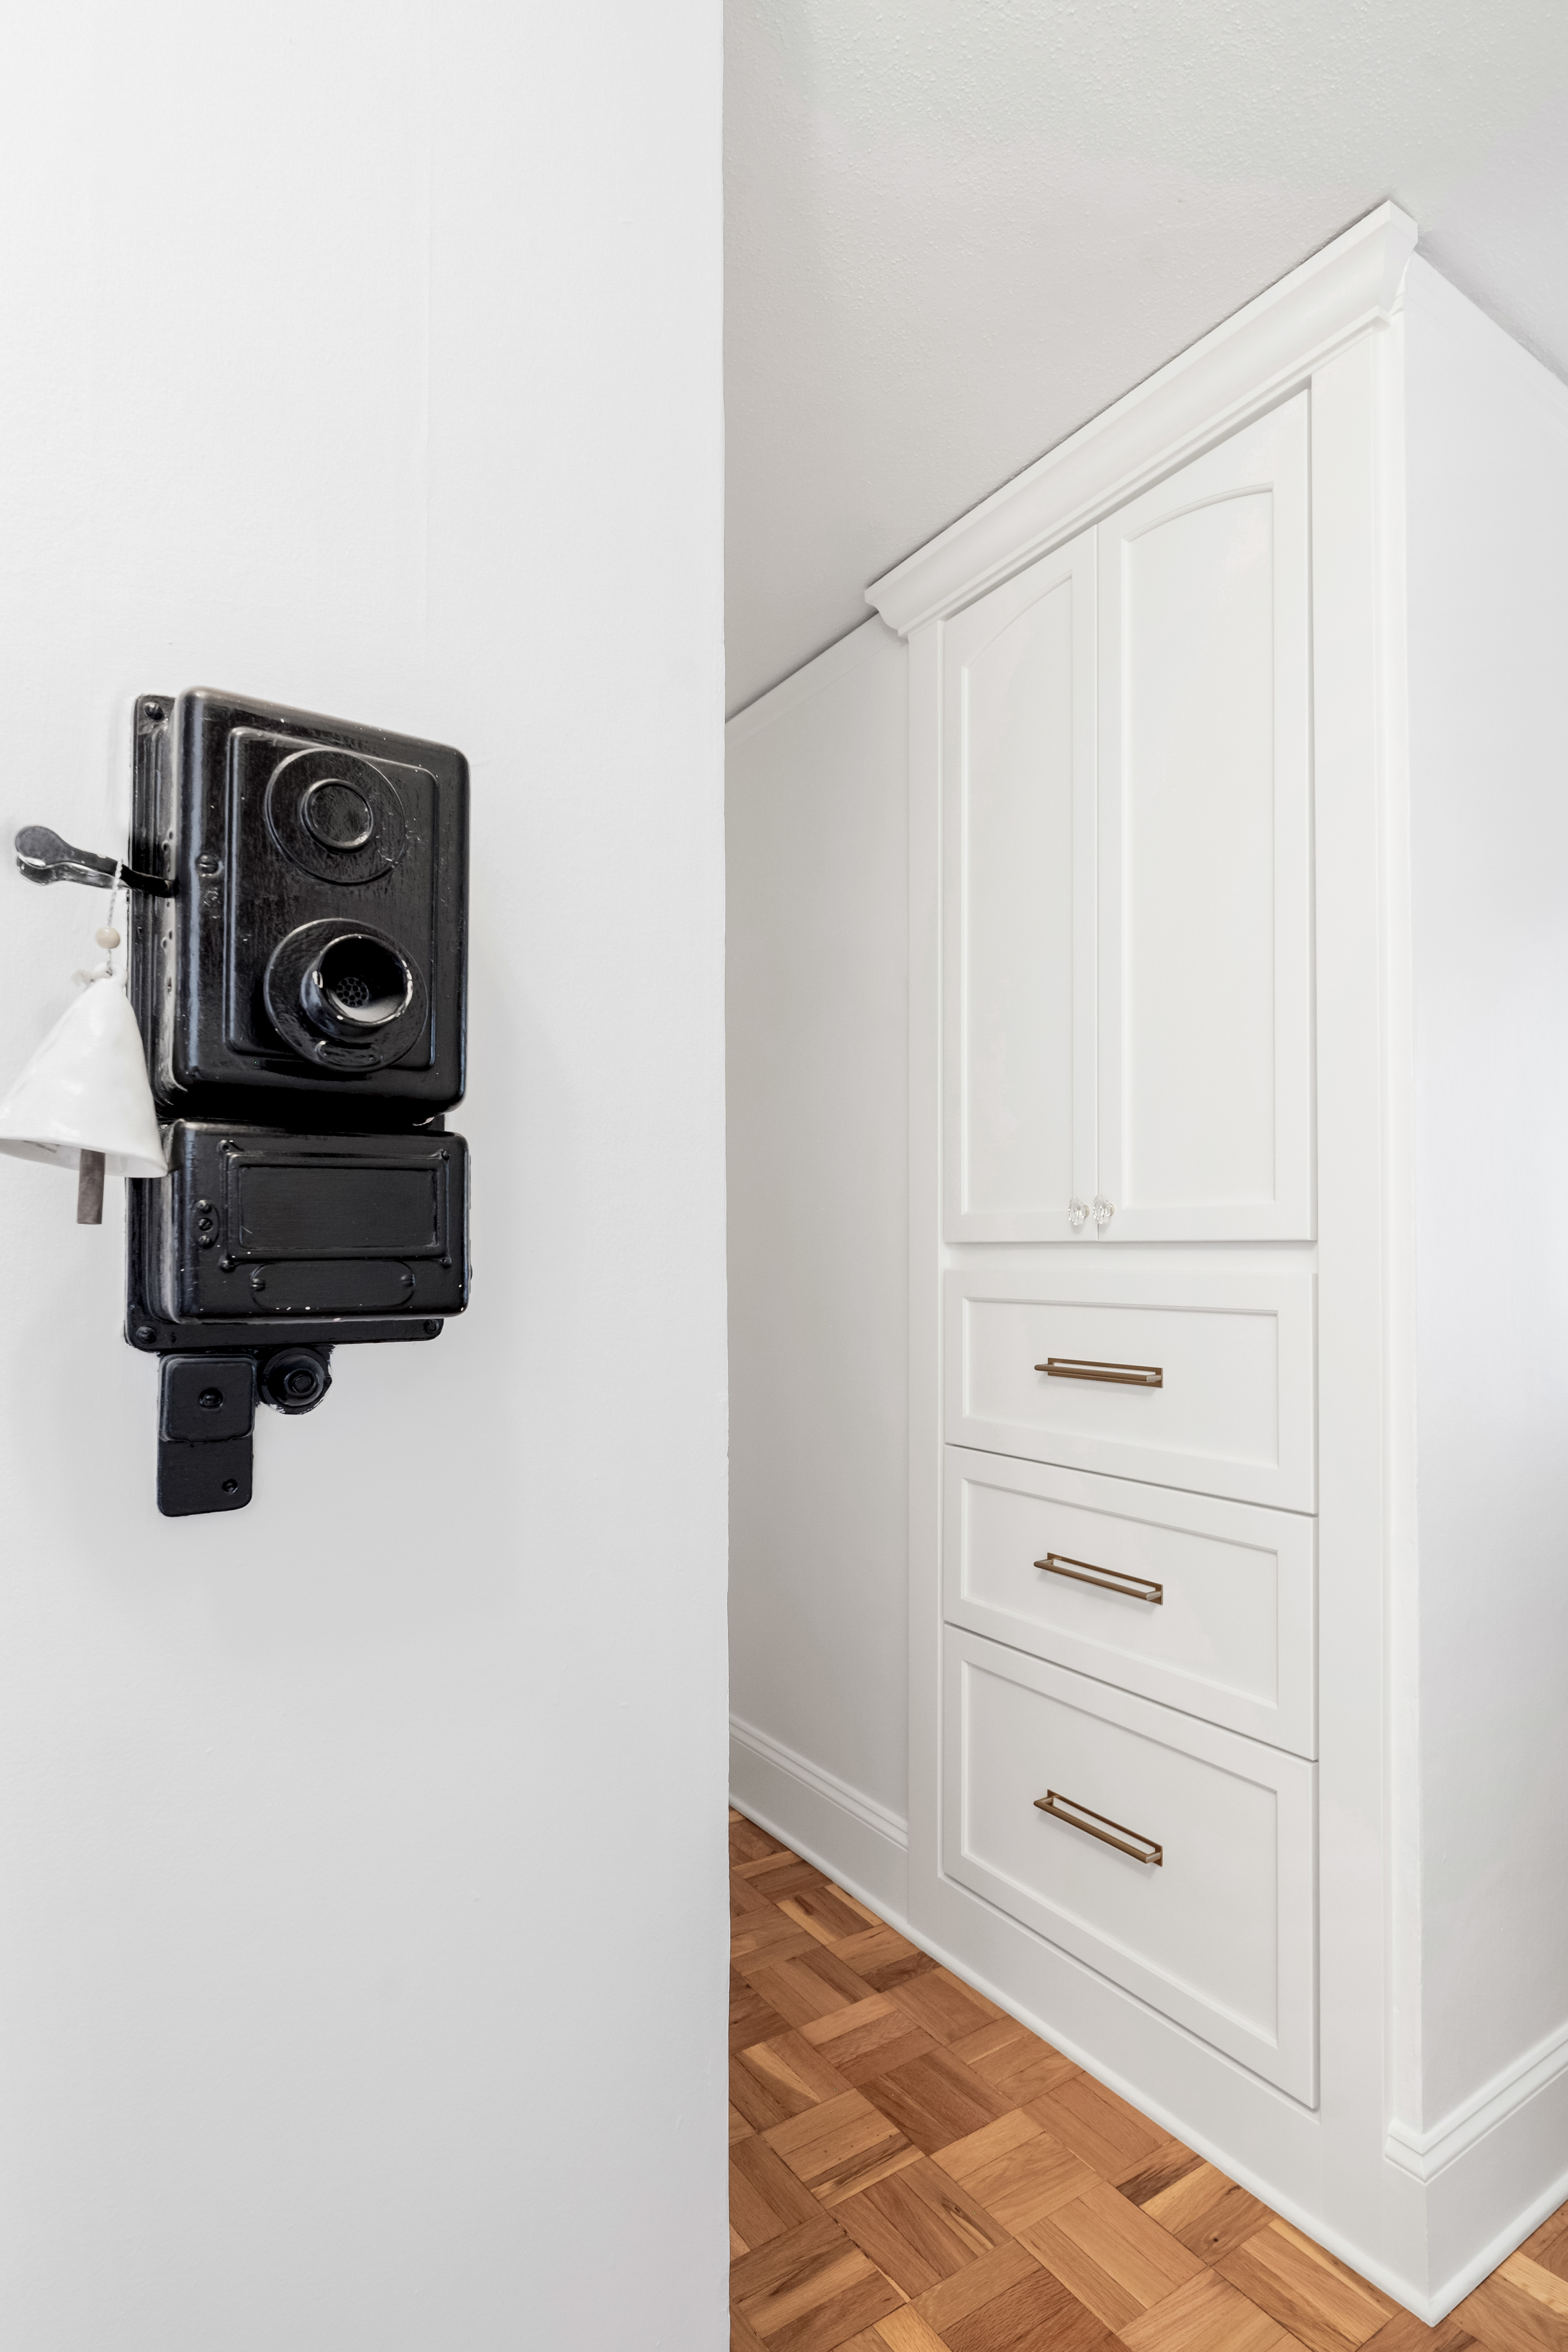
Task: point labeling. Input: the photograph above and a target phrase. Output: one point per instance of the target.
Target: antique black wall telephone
(299, 972)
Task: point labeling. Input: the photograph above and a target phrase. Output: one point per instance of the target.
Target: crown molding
(846, 653)
(1243, 364)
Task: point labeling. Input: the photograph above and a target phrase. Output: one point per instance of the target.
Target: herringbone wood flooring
(911, 2172)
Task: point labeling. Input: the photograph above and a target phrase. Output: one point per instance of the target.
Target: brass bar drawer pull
(1125, 1376)
(1107, 1580)
(1096, 1826)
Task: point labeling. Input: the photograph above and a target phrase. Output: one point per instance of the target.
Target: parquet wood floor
(911, 2172)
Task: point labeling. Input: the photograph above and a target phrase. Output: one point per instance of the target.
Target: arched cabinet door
(1205, 844)
(1126, 853)
(1018, 717)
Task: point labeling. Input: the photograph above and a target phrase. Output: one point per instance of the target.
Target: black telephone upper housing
(315, 946)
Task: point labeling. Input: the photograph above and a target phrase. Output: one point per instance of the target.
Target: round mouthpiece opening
(359, 985)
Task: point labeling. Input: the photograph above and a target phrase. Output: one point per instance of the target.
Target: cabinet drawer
(1218, 1934)
(1206, 1605)
(1231, 1411)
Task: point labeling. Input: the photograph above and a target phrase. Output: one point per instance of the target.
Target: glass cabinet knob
(1077, 1213)
(1104, 1211)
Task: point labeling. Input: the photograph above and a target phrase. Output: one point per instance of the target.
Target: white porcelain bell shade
(85, 1089)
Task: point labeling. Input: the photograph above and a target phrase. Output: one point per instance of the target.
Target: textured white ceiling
(959, 227)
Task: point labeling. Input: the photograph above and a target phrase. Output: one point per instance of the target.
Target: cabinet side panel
(1488, 569)
(818, 963)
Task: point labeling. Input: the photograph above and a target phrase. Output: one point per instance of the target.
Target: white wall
(360, 1855)
(818, 1042)
(956, 233)
(1488, 572)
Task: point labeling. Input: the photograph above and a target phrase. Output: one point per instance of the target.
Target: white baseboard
(1494, 2168)
(1427, 2154)
(1508, 2241)
(846, 1833)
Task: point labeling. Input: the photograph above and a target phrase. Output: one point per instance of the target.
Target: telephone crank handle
(43, 856)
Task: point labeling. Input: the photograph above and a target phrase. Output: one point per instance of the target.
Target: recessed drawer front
(1205, 1605)
(1202, 1380)
(1219, 1931)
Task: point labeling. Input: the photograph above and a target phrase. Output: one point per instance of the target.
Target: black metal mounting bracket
(206, 1420)
(43, 856)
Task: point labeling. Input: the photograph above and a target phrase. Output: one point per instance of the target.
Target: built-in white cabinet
(1125, 777)
(1237, 842)
(1126, 784)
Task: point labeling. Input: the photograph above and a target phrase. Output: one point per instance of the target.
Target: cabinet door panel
(1018, 756)
(1204, 1098)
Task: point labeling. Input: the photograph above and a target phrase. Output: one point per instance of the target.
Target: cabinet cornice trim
(1261, 352)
